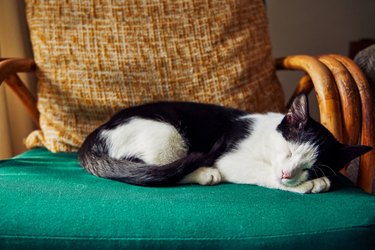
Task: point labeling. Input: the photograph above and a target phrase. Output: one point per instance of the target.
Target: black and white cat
(171, 143)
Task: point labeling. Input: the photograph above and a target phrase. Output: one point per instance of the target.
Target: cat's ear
(298, 113)
(348, 153)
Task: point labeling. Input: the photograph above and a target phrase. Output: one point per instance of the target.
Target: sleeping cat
(170, 143)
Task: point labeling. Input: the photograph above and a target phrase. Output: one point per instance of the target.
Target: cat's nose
(285, 174)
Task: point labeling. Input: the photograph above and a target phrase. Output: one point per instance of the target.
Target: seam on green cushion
(188, 238)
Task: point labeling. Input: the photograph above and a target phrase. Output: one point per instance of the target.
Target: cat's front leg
(314, 186)
(203, 176)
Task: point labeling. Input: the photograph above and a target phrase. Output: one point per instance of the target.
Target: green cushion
(48, 201)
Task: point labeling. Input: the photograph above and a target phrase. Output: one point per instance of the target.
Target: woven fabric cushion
(47, 201)
(96, 57)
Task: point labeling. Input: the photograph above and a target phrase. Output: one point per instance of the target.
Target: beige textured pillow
(96, 57)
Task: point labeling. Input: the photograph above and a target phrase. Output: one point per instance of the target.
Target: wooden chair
(48, 201)
(343, 93)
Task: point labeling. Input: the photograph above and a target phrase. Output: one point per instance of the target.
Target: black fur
(332, 156)
(209, 130)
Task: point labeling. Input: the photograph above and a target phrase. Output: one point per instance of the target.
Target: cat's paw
(314, 186)
(208, 176)
(203, 176)
(322, 184)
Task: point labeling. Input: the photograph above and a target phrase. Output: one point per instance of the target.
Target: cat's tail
(137, 172)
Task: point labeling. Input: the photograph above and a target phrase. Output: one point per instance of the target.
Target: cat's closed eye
(289, 154)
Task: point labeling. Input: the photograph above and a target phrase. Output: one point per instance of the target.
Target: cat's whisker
(322, 165)
(324, 173)
(316, 174)
(321, 171)
(300, 139)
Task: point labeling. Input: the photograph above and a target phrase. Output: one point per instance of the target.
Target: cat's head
(311, 150)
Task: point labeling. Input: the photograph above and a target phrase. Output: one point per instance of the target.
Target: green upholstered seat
(48, 201)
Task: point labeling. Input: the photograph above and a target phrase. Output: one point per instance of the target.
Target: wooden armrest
(324, 85)
(367, 164)
(9, 67)
(349, 99)
(343, 95)
(305, 85)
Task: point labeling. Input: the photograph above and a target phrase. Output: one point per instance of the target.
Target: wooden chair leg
(9, 67)
(16, 84)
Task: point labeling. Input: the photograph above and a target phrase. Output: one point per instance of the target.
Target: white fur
(203, 176)
(313, 186)
(151, 141)
(261, 158)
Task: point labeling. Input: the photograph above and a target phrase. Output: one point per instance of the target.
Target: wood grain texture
(367, 163)
(325, 88)
(349, 99)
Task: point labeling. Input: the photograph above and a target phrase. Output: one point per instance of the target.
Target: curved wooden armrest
(349, 98)
(367, 164)
(343, 95)
(324, 85)
(9, 67)
(305, 85)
